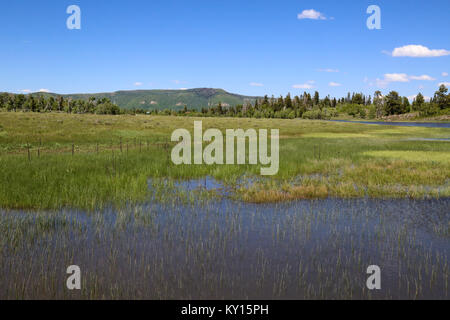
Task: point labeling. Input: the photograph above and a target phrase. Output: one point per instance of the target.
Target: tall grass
(115, 156)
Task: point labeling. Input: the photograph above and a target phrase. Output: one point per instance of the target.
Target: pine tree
(288, 101)
(393, 103)
(316, 100)
(418, 102)
(441, 98)
(406, 106)
(19, 101)
(297, 102)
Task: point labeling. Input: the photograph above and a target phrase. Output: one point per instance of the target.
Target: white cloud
(418, 51)
(381, 83)
(184, 89)
(328, 70)
(391, 77)
(445, 74)
(256, 84)
(447, 84)
(422, 77)
(334, 84)
(44, 90)
(308, 85)
(25, 90)
(311, 14)
(400, 77)
(138, 84)
(396, 77)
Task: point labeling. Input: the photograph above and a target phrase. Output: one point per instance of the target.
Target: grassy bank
(88, 161)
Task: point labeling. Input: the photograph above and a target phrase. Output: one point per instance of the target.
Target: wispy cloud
(307, 85)
(334, 84)
(44, 90)
(138, 84)
(25, 91)
(419, 51)
(445, 74)
(311, 14)
(256, 84)
(328, 70)
(422, 77)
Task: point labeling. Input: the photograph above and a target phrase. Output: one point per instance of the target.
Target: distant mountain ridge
(165, 99)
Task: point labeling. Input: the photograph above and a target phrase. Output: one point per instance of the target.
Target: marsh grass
(142, 228)
(115, 156)
(223, 249)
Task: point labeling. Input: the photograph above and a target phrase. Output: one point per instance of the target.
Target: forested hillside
(193, 99)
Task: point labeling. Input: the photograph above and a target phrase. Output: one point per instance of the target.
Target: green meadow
(56, 160)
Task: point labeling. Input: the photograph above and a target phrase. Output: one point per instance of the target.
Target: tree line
(305, 106)
(40, 103)
(309, 106)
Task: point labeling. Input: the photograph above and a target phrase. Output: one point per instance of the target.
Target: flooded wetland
(348, 196)
(224, 159)
(192, 247)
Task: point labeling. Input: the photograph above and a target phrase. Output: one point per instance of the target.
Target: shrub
(372, 112)
(320, 114)
(107, 108)
(428, 109)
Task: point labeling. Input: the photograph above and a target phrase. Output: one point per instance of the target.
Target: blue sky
(248, 47)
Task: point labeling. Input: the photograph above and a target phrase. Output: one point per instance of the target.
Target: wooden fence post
(166, 148)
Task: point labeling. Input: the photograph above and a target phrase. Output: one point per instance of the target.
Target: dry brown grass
(288, 194)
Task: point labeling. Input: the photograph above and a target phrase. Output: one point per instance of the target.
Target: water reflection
(221, 248)
(402, 124)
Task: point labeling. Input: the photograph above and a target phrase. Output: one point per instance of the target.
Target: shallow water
(219, 248)
(402, 124)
